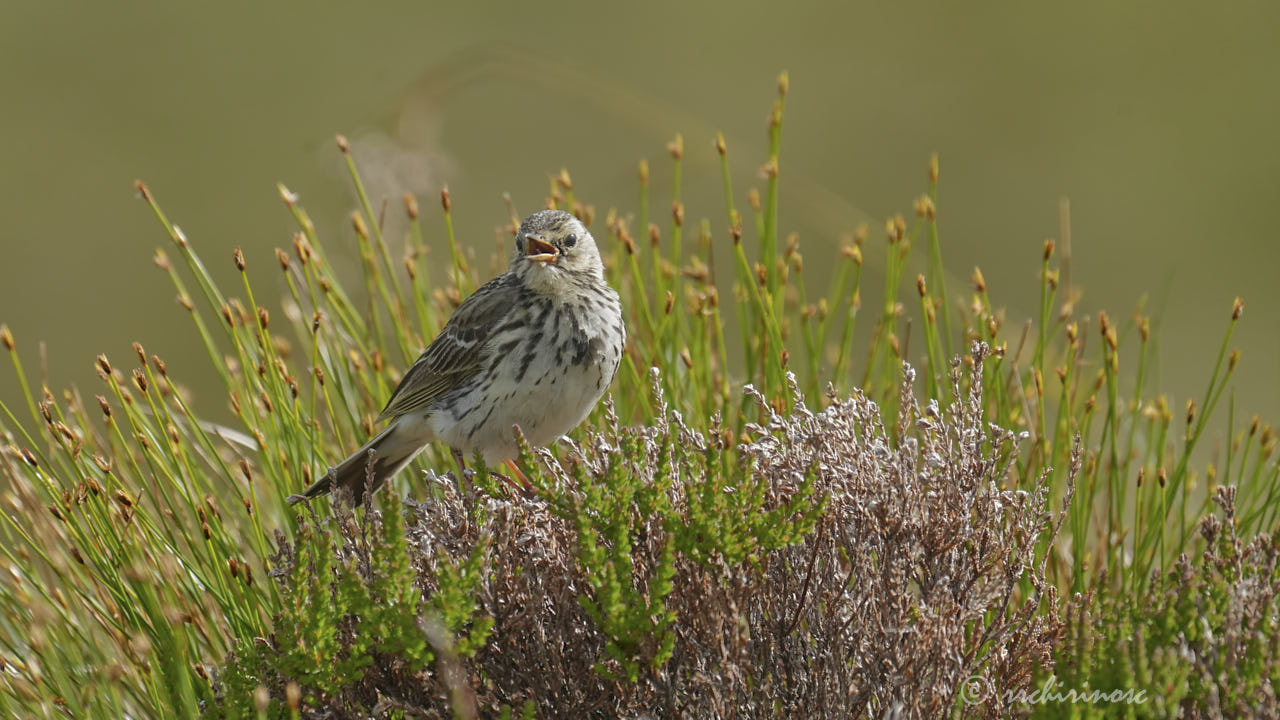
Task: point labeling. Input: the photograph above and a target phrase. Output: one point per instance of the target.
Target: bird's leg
(519, 486)
(515, 470)
(459, 459)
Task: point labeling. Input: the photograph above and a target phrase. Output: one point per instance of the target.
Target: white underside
(551, 397)
(544, 411)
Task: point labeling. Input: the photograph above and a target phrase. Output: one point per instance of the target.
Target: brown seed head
(720, 146)
(6, 338)
(924, 208)
(301, 247)
(30, 458)
(1237, 309)
(357, 222)
(161, 260)
(979, 282)
(676, 147)
(343, 144)
(283, 259)
(563, 179)
(264, 318)
(446, 201)
(290, 198)
(753, 199)
(411, 206)
(143, 190)
(1048, 250)
(104, 366)
(643, 170)
(784, 83)
(677, 213)
(920, 286)
(933, 168)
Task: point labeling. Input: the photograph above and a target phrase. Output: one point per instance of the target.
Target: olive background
(1156, 119)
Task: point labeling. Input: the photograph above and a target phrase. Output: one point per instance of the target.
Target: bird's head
(552, 242)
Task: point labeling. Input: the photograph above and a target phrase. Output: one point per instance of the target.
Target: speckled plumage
(536, 347)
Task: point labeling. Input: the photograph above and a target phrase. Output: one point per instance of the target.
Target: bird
(535, 347)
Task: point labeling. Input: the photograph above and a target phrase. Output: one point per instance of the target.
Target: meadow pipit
(534, 347)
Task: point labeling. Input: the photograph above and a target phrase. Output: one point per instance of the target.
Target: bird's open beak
(539, 250)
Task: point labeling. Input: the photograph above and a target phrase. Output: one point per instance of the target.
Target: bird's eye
(571, 241)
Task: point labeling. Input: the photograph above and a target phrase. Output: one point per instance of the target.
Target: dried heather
(887, 568)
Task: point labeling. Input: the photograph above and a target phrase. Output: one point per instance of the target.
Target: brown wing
(458, 352)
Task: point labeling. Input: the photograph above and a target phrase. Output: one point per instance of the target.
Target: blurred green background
(1157, 120)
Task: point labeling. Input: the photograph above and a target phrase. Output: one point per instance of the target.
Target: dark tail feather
(380, 458)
